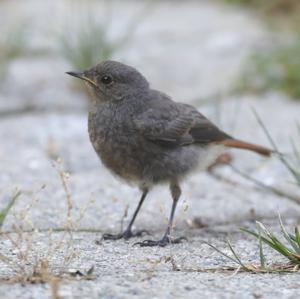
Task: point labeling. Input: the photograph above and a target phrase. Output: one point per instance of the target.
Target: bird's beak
(81, 76)
(76, 74)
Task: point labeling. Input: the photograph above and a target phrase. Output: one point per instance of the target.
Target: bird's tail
(247, 146)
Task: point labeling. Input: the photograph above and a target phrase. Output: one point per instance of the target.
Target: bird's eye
(106, 79)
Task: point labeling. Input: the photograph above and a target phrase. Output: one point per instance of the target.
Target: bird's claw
(161, 243)
(127, 234)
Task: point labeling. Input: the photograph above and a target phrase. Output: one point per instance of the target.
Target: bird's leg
(167, 239)
(127, 233)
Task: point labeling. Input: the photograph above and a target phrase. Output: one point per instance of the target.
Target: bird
(146, 138)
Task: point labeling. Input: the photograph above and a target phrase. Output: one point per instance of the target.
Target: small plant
(5, 211)
(291, 250)
(291, 167)
(291, 163)
(275, 68)
(87, 42)
(50, 262)
(270, 8)
(296, 156)
(13, 43)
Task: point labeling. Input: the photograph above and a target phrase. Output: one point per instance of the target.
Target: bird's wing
(164, 127)
(175, 124)
(203, 130)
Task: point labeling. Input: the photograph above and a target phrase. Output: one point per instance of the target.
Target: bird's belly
(137, 161)
(175, 164)
(121, 155)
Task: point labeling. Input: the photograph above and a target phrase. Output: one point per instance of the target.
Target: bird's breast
(116, 144)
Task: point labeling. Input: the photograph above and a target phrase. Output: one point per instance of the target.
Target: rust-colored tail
(248, 146)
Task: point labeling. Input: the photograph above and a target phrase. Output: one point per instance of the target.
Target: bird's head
(112, 81)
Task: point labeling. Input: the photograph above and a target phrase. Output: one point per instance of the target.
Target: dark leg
(128, 233)
(166, 239)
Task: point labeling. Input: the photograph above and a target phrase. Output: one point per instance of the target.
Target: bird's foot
(127, 234)
(162, 243)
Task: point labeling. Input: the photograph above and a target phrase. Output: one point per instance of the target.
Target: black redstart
(146, 138)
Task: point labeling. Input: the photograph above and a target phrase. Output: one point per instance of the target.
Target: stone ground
(212, 41)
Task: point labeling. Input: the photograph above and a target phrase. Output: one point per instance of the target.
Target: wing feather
(175, 124)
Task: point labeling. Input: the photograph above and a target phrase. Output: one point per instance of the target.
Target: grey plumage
(144, 137)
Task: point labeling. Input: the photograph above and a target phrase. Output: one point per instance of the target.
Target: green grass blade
(281, 248)
(223, 253)
(250, 232)
(277, 243)
(261, 253)
(272, 242)
(288, 237)
(263, 228)
(295, 174)
(297, 236)
(267, 133)
(4, 212)
(296, 154)
(295, 150)
(235, 255)
(298, 127)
